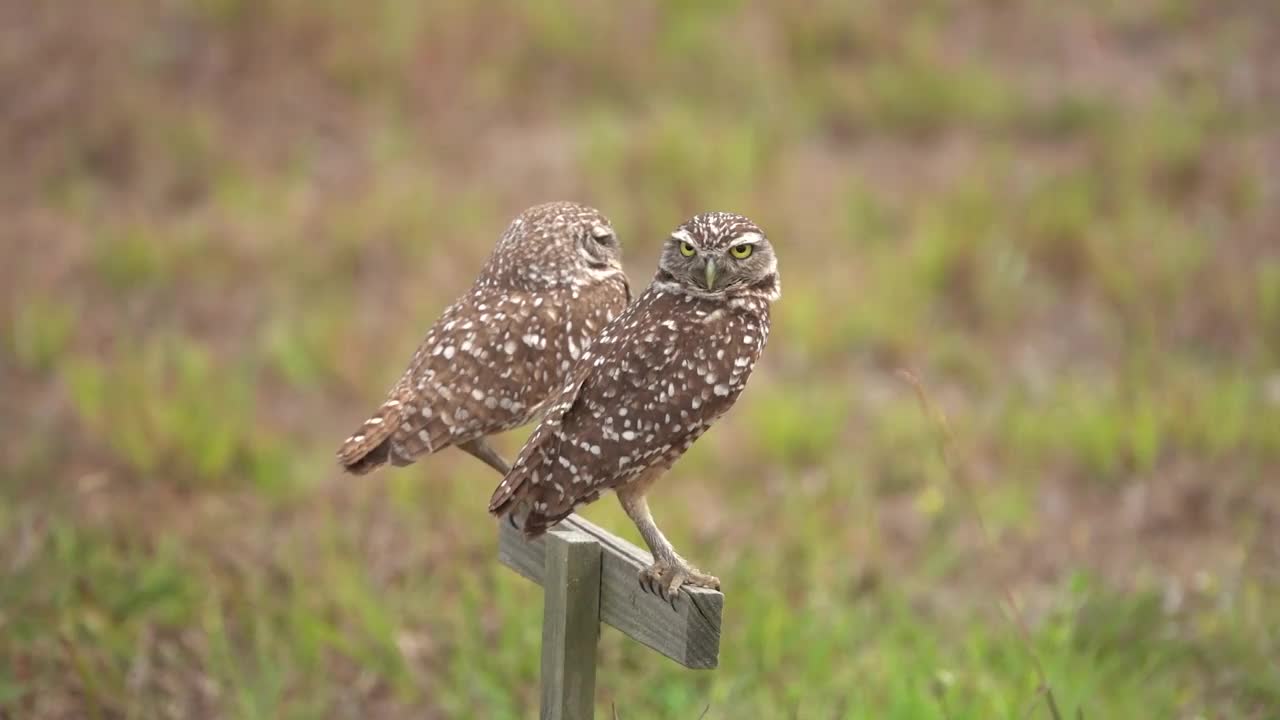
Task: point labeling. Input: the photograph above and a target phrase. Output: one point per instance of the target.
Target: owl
(496, 357)
(649, 386)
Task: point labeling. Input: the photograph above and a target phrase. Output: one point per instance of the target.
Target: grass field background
(226, 224)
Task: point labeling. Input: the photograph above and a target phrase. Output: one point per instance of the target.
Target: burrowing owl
(497, 355)
(652, 382)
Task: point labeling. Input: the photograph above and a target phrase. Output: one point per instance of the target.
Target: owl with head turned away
(496, 357)
(653, 381)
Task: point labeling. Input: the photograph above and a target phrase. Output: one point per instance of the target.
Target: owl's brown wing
(534, 454)
(649, 386)
(481, 369)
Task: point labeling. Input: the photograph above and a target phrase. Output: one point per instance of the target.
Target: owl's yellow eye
(741, 251)
(686, 249)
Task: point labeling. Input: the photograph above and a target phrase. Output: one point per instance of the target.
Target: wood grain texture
(689, 633)
(570, 625)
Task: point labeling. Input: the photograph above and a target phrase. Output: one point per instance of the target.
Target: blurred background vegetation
(226, 224)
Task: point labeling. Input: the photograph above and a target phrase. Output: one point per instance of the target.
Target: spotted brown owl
(496, 356)
(651, 383)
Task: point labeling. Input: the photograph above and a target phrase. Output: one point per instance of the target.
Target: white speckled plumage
(497, 354)
(651, 384)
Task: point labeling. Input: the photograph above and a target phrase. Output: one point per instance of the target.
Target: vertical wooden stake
(570, 625)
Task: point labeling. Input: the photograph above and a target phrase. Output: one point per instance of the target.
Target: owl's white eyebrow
(747, 239)
(684, 236)
(600, 231)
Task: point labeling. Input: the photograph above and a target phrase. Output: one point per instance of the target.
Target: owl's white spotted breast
(651, 384)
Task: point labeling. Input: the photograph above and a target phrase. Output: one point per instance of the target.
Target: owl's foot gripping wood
(669, 572)
(664, 578)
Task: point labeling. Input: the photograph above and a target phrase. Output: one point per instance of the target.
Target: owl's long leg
(669, 571)
(485, 452)
(482, 450)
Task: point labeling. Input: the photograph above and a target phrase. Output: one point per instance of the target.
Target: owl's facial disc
(717, 255)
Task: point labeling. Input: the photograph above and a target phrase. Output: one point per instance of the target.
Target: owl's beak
(711, 274)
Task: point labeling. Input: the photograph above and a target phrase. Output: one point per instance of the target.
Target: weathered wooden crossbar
(590, 576)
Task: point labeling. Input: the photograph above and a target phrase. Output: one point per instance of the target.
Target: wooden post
(570, 625)
(687, 632)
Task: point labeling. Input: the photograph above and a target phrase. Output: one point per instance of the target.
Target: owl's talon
(665, 579)
(649, 584)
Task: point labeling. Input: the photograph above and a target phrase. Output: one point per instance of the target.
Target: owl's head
(719, 254)
(556, 243)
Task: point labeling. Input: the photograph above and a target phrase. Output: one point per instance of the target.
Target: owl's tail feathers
(510, 501)
(507, 493)
(370, 447)
(517, 501)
